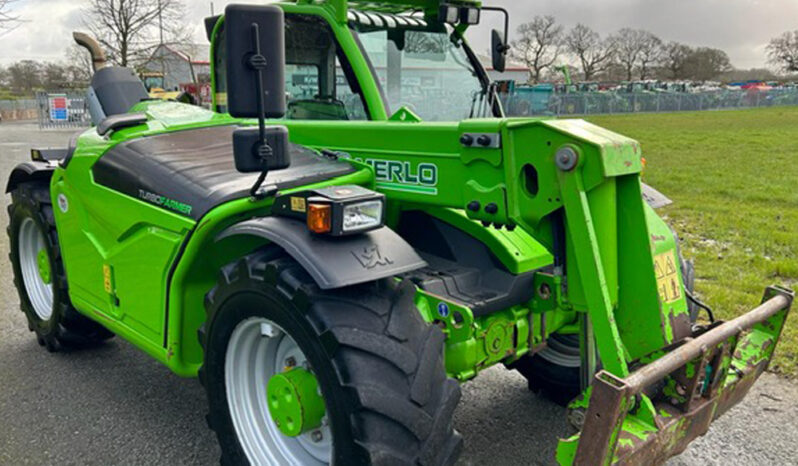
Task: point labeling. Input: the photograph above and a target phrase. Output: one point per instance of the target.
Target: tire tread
(72, 330)
(422, 408)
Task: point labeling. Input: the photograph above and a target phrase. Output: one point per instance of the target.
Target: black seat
(196, 168)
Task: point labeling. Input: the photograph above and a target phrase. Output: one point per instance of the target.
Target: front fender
(335, 262)
(29, 171)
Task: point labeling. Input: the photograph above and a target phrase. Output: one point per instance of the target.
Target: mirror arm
(258, 63)
(506, 47)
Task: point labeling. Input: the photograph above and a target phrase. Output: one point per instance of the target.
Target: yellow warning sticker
(665, 267)
(107, 279)
(298, 204)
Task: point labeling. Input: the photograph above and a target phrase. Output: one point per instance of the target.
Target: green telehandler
(354, 229)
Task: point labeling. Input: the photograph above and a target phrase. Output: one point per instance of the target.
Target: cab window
(320, 84)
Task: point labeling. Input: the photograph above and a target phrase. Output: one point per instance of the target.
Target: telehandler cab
(355, 229)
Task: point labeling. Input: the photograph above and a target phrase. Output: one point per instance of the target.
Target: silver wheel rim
(258, 349)
(40, 294)
(562, 352)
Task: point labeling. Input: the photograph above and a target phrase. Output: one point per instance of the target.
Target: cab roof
(390, 6)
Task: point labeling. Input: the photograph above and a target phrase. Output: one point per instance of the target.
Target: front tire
(39, 274)
(379, 367)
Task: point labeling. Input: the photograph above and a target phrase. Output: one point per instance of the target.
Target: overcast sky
(741, 27)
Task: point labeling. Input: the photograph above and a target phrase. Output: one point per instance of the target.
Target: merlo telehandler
(355, 229)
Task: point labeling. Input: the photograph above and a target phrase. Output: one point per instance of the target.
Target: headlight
(362, 216)
(334, 211)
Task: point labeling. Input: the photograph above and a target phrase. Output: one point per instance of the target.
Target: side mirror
(255, 56)
(499, 46)
(255, 49)
(499, 51)
(247, 144)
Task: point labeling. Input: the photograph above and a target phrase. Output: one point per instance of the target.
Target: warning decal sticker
(668, 284)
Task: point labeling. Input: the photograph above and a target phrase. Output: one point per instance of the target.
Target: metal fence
(23, 109)
(597, 103)
(62, 109)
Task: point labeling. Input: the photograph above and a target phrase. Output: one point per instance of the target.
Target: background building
(179, 64)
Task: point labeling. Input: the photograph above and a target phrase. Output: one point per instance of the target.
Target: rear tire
(554, 372)
(380, 367)
(39, 274)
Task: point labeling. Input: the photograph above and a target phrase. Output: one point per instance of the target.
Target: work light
(362, 216)
(469, 15)
(449, 14)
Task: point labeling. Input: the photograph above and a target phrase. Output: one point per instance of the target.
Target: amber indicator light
(320, 218)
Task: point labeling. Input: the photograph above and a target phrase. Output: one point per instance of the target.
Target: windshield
(424, 71)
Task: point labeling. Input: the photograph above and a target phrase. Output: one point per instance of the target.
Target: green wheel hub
(44, 266)
(295, 403)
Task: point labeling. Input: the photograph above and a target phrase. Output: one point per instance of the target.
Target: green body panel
(517, 250)
(198, 270)
(117, 250)
(121, 253)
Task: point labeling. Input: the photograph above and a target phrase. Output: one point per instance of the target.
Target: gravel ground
(115, 405)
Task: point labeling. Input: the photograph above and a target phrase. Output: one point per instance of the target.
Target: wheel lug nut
(290, 362)
(316, 436)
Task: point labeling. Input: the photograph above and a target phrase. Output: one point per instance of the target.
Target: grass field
(733, 177)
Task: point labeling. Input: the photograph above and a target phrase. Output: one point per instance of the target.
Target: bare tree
(24, 76)
(421, 43)
(650, 53)
(130, 30)
(674, 58)
(783, 51)
(54, 76)
(628, 46)
(79, 63)
(706, 63)
(8, 20)
(540, 44)
(593, 53)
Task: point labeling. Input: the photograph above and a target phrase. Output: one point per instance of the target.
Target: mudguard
(29, 171)
(335, 262)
